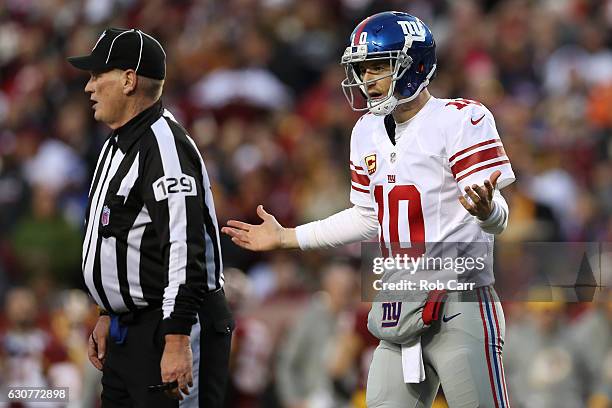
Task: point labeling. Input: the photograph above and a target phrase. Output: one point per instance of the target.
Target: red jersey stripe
(360, 178)
(356, 167)
(478, 157)
(486, 166)
(361, 190)
(477, 145)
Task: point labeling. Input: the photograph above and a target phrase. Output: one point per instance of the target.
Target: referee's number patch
(164, 186)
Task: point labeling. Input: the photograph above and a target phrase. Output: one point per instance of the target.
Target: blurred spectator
(71, 321)
(592, 337)
(352, 353)
(542, 367)
(47, 247)
(14, 188)
(252, 346)
(55, 165)
(29, 355)
(301, 379)
(23, 344)
(251, 86)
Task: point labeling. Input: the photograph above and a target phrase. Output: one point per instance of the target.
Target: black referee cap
(125, 49)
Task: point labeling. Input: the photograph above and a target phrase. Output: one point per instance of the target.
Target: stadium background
(257, 83)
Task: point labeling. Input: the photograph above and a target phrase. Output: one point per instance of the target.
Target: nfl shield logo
(105, 216)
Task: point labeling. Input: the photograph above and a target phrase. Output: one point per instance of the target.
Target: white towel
(412, 363)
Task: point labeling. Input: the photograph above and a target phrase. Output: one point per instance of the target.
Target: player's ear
(130, 81)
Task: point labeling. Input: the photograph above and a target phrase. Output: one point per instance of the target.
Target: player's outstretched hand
(263, 237)
(481, 197)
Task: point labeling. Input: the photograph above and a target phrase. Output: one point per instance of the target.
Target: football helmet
(406, 42)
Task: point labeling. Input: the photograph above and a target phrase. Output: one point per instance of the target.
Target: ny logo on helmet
(413, 29)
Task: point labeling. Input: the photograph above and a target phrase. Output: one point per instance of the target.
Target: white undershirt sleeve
(497, 221)
(354, 224)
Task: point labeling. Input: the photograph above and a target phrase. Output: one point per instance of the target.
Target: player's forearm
(351, 225)
(498, 220)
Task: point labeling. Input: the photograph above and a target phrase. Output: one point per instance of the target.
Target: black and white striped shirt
(151, 236)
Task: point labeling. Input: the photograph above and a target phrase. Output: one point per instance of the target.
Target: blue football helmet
(406, 42)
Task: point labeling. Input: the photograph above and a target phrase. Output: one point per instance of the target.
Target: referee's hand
(96, 346)
(176, 364)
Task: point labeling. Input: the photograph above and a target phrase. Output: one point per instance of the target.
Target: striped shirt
(151, 234)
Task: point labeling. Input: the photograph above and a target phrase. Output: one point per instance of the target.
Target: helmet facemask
(399, 63)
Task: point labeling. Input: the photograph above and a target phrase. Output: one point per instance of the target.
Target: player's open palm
(481, 197)
(262, 237)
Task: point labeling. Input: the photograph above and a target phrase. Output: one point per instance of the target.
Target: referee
(151, 254)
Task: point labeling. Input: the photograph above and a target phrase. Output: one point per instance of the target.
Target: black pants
(132, 366)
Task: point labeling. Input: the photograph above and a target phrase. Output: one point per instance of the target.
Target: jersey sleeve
(476, 150)
(351, 225)
(360, 180)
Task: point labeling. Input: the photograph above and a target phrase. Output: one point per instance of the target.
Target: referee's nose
(89, 85)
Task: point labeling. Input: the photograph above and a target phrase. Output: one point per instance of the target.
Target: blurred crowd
(257, 84)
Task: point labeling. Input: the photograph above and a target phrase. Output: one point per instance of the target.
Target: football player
(423, 170)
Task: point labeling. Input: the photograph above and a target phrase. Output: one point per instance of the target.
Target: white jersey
(414, 185)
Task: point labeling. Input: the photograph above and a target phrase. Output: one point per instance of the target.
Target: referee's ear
(129, 81)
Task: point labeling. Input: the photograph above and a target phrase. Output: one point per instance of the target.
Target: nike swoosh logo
(475, 122)
(447, 319)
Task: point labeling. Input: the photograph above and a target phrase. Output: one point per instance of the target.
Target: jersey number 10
(390, 246)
